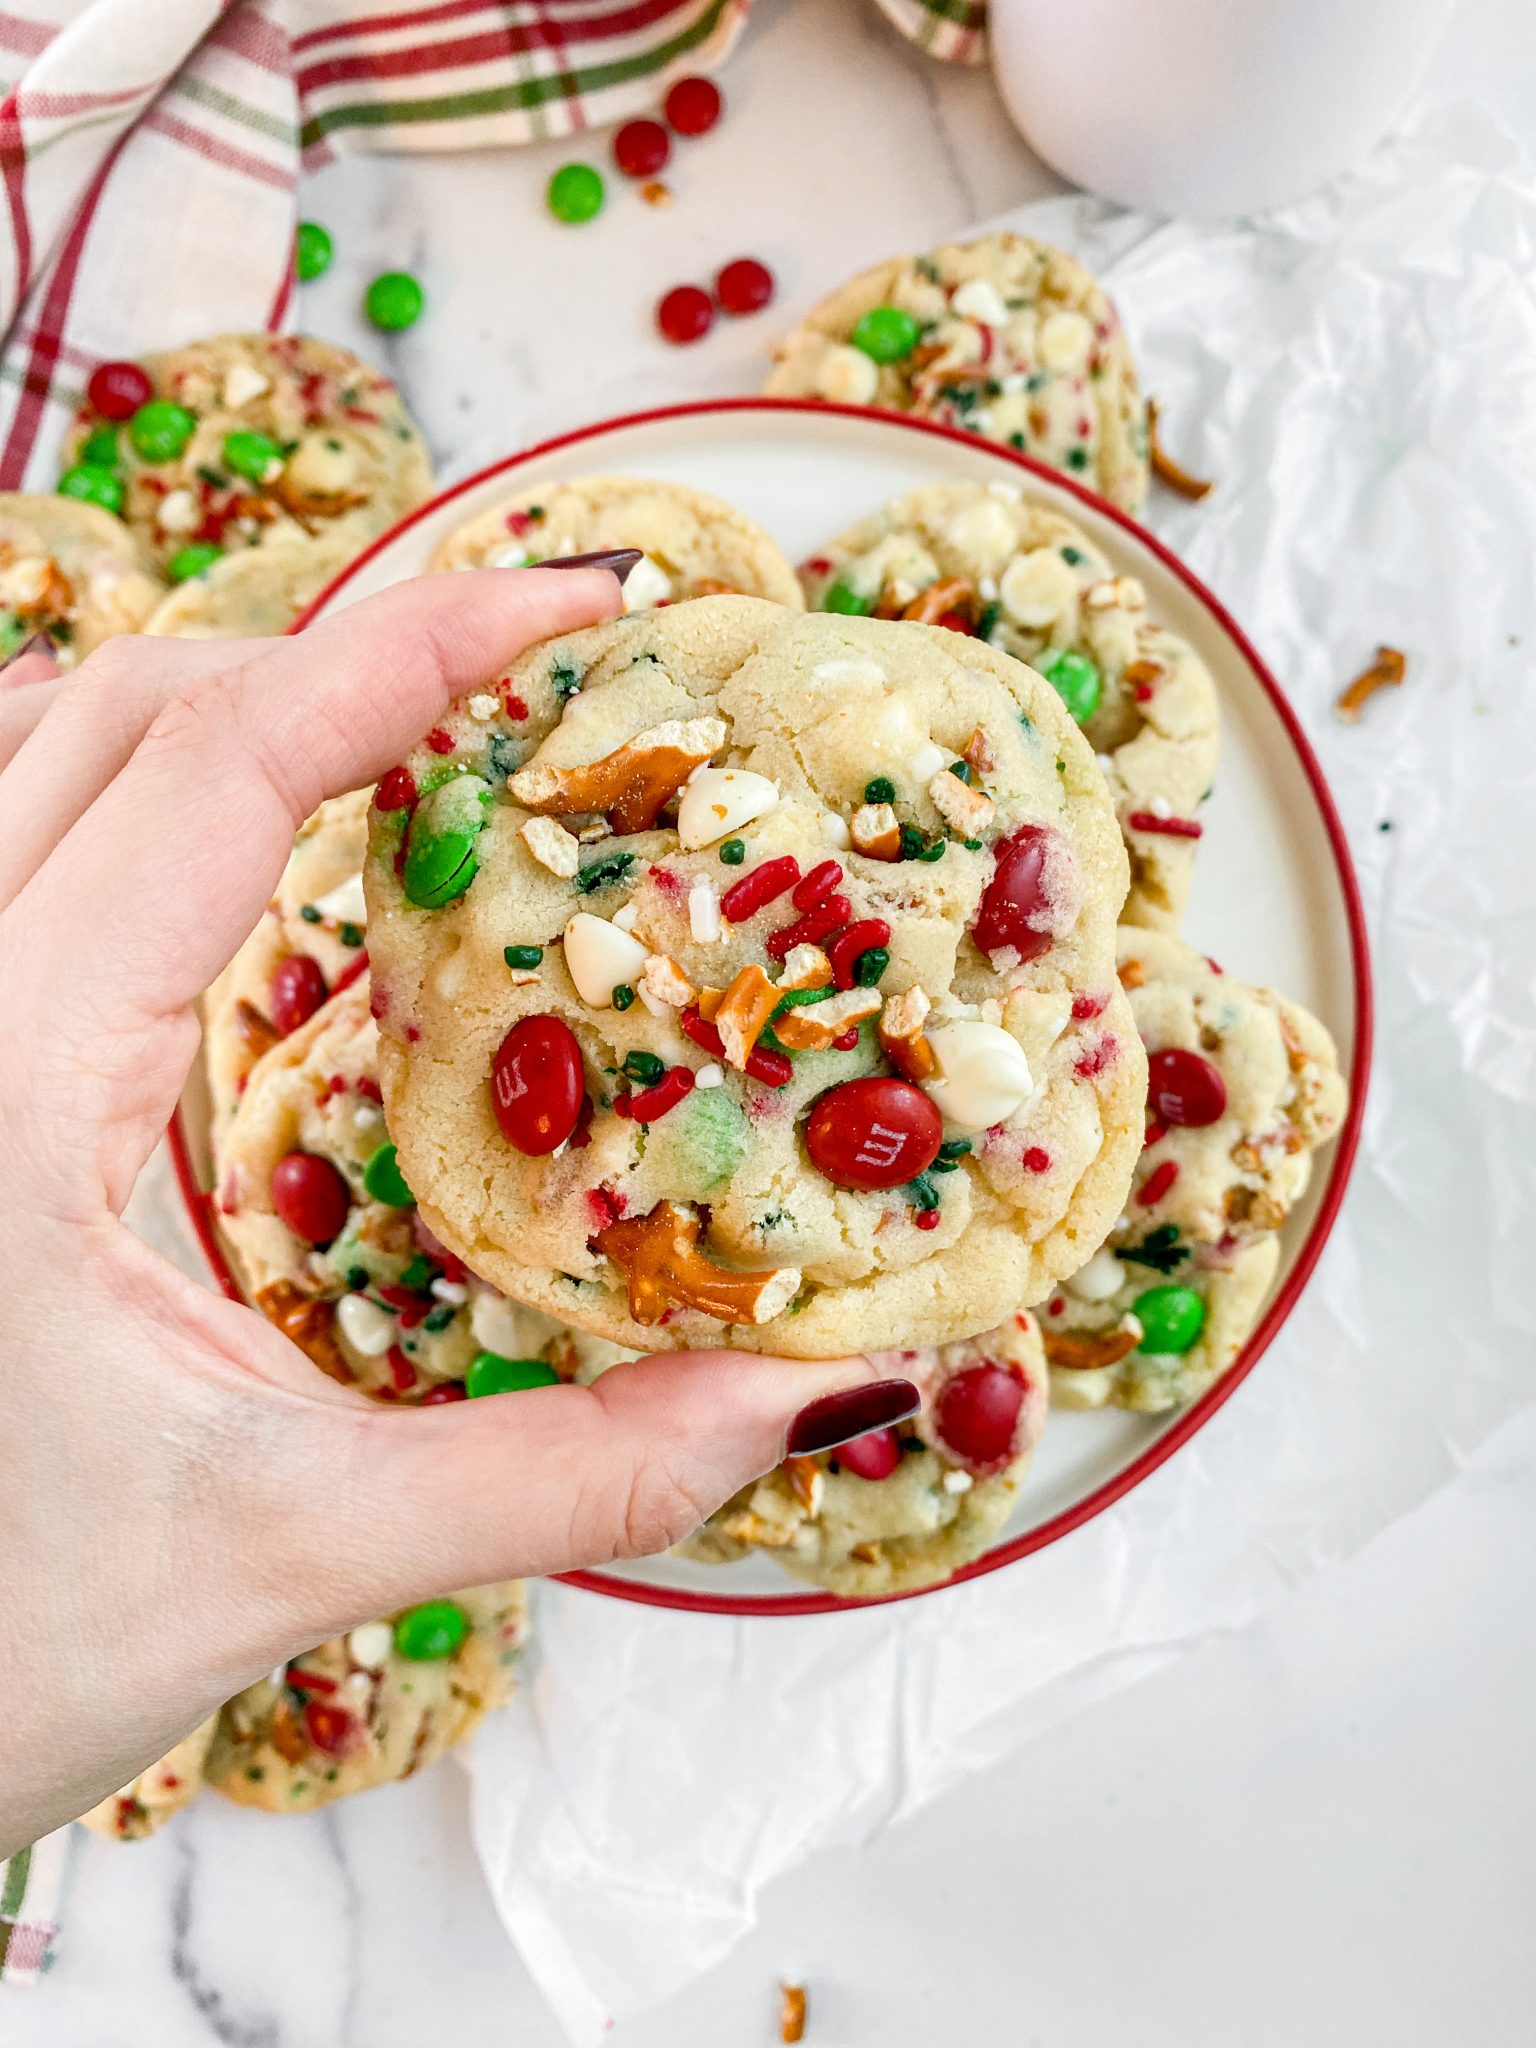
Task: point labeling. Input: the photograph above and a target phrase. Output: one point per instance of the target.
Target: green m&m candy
(575, 193)
(253, 455)
(161, 429)
(1171, 1319)
(440, 858)
(99, 449)
(383, 1179)
(92, 486)
(1075, 678)
(432, 1631)
(490, 1373)
(886, 334)
(311, 251)
(394, 301)
(194, 559)
(842, 597)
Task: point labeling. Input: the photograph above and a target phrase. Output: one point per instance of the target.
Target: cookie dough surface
(342, 455)
(72, 572)
(1005, 337)
(258, 592)
(983, 559)
(692, 545)
(934, 1510)
(540, 819)
(355, 1712)
(379, 1304)
(158, 1794)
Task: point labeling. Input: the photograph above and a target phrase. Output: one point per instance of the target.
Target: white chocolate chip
(454, 1292)
(1066, 340)
(179, 512)
(646, 585)
(551, 845)
(370, 1645)
(1038, 588)
(957, 1482)
(709, 1077)
(704, 920)
(855, 672)
(1160, 807)
(599, 957)
(625, 918)
(834, 830)
(847, 376)
(508, 556)
(483, 705)
(1116, 593)
(242, 383)
(322, 466)
(1009, 493)
(979, 299)
(1102, 1277)
(719, 801)
(982, 1075)
(366, 1327)
(495, 1324)
(345, 902)
(927, 762)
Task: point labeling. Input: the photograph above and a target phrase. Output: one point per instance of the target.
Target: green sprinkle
(1077, 458)
(418, 1273)
(601, 873)
(644, 1067)
(962, 769)
(943, 1165)
(215, 479)
(922, 1193)
(986, 622)
(934, 851)
(841, 597)
(564, 680)
(522, 956)
(623, 995)
(870, 965)
(1072, 556)
(383, 1180)
(880, 790)
(734, 852)
(912, 842)
(797, 998)
(357, 1278)
(351, 935)
(1160, 1249)
(312, 251)
(954, 1148)
(971, 845)
(310, 912)
(438, 1319)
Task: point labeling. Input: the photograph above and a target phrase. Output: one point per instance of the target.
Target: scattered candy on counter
(693, 106)
(641, 148)
(685, 314)
(312, 252)
(576, 193)
(394, 301)
(1385, 672)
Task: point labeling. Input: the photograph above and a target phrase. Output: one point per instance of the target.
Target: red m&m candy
(1014, 905)
(298, 990)
(310, 1196)
(744, 286)
(641, 148)
(1185, 1088)
(873, 1133)
(874, 1455)
(978, 1412)
(685, 314)
(117, 390)
(693, 106)
(537, 1087)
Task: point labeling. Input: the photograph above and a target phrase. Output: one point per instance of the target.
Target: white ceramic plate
(1274, 897)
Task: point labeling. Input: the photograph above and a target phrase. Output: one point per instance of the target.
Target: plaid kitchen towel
(150, 150)
(30, 1886)
(954, 30)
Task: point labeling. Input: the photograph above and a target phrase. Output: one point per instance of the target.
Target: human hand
(187, 1501)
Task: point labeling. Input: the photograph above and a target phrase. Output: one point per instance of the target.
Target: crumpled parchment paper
(1359, 374)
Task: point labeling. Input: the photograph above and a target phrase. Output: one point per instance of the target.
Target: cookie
(309, 943)
(1005, 337)
(252, 438)
(257, 592)
(982, 559)
(155, 1795)
(692, 545)
(716, 1009)
(903, 1508)
(325, 1233)
(1101, 1328)
(72, 572)
(372, 1706)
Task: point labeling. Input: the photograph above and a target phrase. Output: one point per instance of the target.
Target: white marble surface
(1319, 1830)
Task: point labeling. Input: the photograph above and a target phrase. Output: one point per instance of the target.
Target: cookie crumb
(1387, 670)
(791, 2012)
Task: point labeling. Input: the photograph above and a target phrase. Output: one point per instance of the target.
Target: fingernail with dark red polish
(836, 1417)
(619, 560)
(38, 644)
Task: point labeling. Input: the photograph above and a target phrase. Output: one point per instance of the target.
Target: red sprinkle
(604, 1207)
(766, 881)
(345, 979)
(1057, 1306)
(650, 1103)
(1143, 693)
(820, 882)
(1155, 1133)
(308, 1681)
(441, 742)
(847, 1041)
(519, 522)
(331, 1729)
(1157, 1184)
(843, 951)
(401, 1371)
(763, 1063)
(811, 929)
(1037, 1159)
(413, 1308)
(366, 1085)
(1097, 1057)
(927, 1219)
(515, 708)
(1086, 1006)
(953, 622)
(1170, 828)
(396, 790)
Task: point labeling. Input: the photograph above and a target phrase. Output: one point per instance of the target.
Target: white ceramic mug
(1212, 107)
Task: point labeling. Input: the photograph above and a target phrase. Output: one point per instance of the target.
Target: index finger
(173, 863)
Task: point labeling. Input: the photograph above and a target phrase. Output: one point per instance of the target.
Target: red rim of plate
(199, 1204)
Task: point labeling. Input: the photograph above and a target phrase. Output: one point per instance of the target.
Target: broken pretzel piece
(813, 1028)
(807, 1482)
(660, 1259)
(1164, 468)
(1091, 1354)
(551, 846)
(743, 1012)
(310, 1323)
(1386, 671)
(949, 594)
(630, 785)
(875, 832)
(901, 1035)
(662, 985)
(979, 752)
(255, 1030)
(965, 810)
(791, 2012)
(804, 967)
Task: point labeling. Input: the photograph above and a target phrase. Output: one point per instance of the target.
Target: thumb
(522, 1484)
